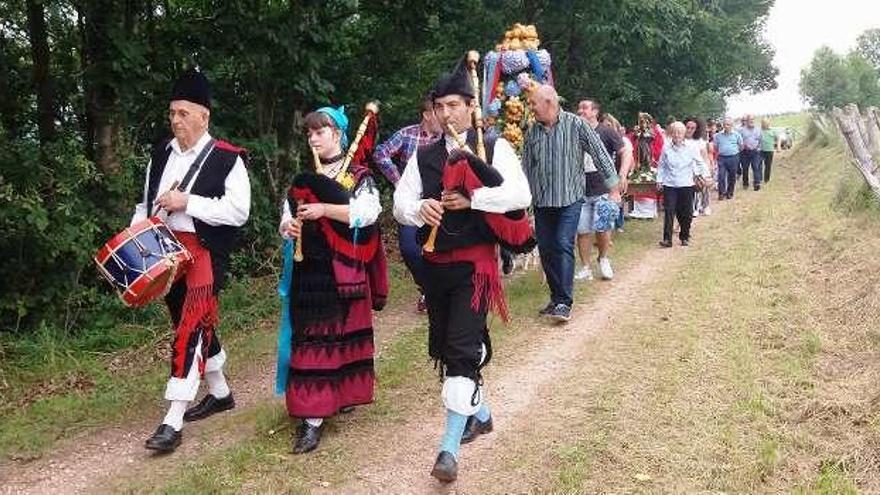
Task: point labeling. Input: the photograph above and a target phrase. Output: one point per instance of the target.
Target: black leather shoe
(166, 439)
(506, 262)
(307, 438)
(208, 406)
(475, 428)
(346, 410)
(666, 244)
(445, 468)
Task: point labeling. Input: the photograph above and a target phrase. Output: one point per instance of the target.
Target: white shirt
(589, 164)
(678, 165)
(512, 194)
(698, 146)
(363, 208)
(233, 208)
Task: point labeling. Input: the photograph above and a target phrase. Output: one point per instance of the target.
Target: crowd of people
(460, 197)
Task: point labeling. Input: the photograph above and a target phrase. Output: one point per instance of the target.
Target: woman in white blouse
(678, 166)
(695, 129)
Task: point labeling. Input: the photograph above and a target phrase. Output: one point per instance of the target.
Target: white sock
(174, 417)
(315, 421)
(217, 385)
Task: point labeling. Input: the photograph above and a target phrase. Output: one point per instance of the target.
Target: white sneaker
(707, 211)
(605, 268)
(584, 274)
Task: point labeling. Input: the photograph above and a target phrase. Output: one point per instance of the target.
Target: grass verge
(749, 369)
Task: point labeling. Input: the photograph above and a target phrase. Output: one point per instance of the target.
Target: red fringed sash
(488, 288)
(200, 306)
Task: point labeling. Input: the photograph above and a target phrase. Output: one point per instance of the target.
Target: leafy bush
(53, 215)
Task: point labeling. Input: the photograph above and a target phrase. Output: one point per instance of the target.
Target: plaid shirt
(392, 155)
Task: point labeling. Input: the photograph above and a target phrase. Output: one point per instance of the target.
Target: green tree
(833, 80)
(637, 55)
(85, 87)
(868, 46)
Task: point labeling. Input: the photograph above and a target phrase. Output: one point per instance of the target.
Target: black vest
(460, 228)
(210, 183)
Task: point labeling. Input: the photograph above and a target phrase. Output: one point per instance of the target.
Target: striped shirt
(553, 160)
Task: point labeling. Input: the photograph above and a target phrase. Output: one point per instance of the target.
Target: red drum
(142, 261)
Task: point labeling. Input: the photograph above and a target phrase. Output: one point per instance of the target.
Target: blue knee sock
(483, 414)
(454, 430)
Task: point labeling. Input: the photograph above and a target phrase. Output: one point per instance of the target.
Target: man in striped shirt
(553, 160)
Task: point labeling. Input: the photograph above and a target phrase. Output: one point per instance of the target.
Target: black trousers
(677, 203)
(768, 163)
(456, 332)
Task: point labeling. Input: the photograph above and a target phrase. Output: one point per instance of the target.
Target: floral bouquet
(510, 72)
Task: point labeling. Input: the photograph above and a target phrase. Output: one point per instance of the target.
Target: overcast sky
(796, 28)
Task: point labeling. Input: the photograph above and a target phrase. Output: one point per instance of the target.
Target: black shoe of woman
(307, 438)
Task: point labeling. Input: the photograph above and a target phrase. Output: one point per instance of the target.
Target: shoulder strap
(196, 165)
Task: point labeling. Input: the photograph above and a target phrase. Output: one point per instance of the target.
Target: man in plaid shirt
(391, 158)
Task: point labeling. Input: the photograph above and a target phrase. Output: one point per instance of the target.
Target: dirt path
(81, 464)
(400, 463)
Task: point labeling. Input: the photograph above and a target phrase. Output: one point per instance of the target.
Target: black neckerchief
(332, 159)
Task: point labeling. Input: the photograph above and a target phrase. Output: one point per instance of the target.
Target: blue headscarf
(337, 115)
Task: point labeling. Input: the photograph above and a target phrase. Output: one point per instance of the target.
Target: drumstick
(173, 187)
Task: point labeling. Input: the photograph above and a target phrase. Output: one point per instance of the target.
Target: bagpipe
(466, 171)
(309, 187)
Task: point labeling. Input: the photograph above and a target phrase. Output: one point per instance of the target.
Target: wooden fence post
(873, 128)
(848, 122)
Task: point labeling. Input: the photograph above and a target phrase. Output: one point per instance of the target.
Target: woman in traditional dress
(340, 278)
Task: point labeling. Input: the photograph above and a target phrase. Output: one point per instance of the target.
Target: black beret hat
(192, 86)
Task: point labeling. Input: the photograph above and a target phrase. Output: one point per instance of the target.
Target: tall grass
(55, 382)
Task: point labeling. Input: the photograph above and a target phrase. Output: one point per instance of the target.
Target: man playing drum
(201, 189)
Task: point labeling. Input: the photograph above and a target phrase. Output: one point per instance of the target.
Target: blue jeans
(727, 166)
(751, 160)
(555, 229)
(412, 253)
